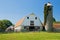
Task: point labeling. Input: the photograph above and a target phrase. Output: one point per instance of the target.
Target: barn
(33, 23)
(29, 23)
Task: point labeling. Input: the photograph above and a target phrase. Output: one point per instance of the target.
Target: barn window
(31, 23)
(36, 18)
(27, 17)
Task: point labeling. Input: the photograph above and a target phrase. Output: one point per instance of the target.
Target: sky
(14, 10)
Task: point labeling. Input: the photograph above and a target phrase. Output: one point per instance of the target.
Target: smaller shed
(56, 27)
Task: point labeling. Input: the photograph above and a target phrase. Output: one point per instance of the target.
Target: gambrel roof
(22, 20)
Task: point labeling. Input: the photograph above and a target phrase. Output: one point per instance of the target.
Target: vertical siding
(31, 18)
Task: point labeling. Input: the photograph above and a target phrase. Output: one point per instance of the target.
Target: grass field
(30, 36)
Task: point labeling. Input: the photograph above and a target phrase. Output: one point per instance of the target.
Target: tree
(4, 24)
(54, 20)
(45, 13)
(1, 25)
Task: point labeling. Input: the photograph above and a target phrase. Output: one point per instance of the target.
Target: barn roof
(21, 20)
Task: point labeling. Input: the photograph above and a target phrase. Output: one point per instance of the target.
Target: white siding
(17, 29)
(26, 22)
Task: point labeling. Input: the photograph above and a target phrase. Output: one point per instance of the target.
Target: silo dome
(49, 4)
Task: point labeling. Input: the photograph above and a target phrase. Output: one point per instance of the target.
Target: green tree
(4, 24)
(1, 25)
(54, 20)
(45, 13)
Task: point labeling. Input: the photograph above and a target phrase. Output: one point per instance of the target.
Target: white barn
(29, 23)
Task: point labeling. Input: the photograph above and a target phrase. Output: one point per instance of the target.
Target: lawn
(30, 36)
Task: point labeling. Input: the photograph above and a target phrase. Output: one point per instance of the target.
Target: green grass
(30, 36)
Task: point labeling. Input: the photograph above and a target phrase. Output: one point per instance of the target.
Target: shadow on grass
(28, 32)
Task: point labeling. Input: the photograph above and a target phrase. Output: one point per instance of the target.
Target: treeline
(4, 24)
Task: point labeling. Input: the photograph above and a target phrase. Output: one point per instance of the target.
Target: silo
(48, 17)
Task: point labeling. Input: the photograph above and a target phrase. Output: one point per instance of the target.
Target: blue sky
(14, 10)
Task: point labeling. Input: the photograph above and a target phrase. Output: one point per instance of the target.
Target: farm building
(32, 23)
(29, 23)
(56, 27)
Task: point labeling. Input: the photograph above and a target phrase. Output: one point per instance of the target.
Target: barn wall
(26, 21)
(56, 30)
